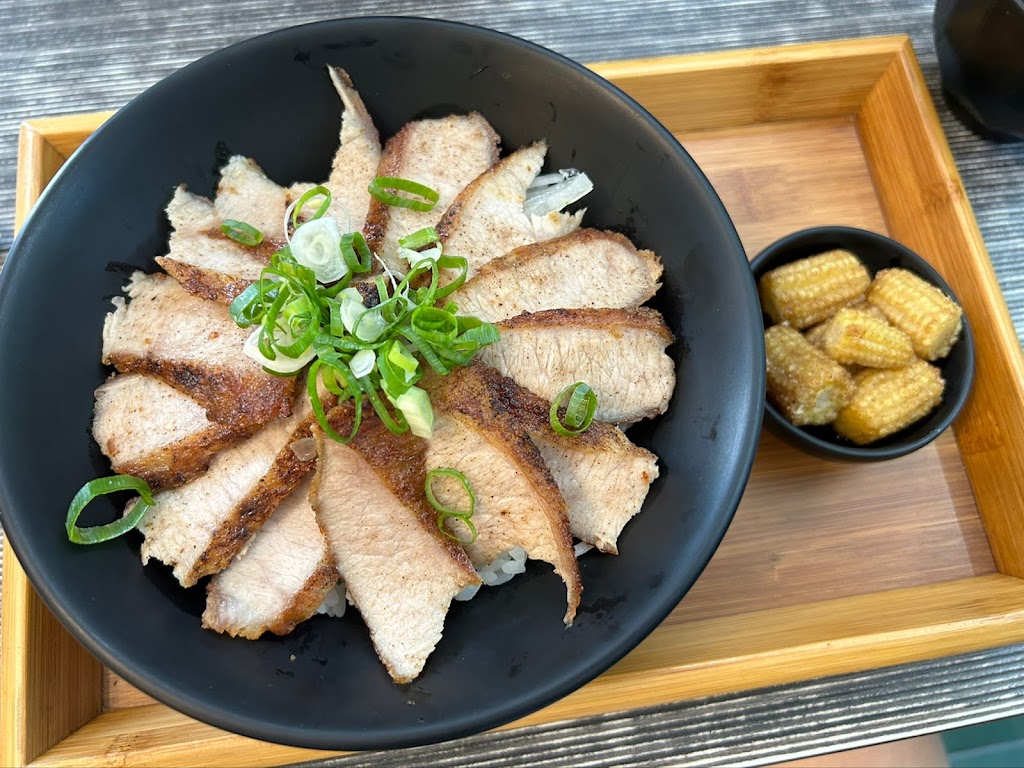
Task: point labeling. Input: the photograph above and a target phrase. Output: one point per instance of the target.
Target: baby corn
(858, 337)
(929, 317)
(887, 400)
(803, 382)
(871, 309)
(816, 334)
(807, 291)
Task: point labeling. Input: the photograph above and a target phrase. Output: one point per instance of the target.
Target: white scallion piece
(362, 363)
(581, 548)
(554, 191)
(372, 323)
(414, 404)
(416, 257)
(317, 244)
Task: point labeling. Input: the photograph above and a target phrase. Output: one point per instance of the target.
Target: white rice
(468, 593)
(498, 571)
(335, 602)
(505, 566)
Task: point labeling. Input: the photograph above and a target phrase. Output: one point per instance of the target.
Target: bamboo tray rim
(990, 604)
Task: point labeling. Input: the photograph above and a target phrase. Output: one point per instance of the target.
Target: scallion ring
(99, 487)
(579, 413)
(461, 263)
(338, 368)
(245, 306)
(379, 190)
(240, 232)
(445, 512)
(356, 252)
(317, 191)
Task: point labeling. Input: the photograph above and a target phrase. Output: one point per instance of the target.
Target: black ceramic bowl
(504, 654)
(876, 252)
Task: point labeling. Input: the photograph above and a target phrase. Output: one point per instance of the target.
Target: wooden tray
(828, 568)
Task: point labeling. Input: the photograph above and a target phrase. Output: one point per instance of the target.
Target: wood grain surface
(828, 568)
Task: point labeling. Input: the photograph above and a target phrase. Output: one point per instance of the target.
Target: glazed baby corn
(807, 291)
(859, 337)
(929, 317)
(887, 400)
(803, 382)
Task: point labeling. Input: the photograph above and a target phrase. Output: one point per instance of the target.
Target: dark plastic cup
(980, 46)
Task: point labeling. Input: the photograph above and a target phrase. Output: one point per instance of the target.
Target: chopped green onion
(352, 389)
(100, 487)
(446, 512)
(240, 232)
(316, 191)
(279, 364)
(435, 325)
(415, 406)
(460, 263)
(245, 305)
(479, 335)
(317, 245)
(428, 352)
(375, 353)
(379, 189)
(362, 363)
(356, 252)
(419, 239)
(365, 324)
(399, 355)
(579, 413)
(397, 423)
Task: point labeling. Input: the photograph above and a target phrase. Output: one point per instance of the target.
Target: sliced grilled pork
(149, 429)
(444, 154)
(602, 476)
(194, 346)
(199, 527)
(246, 194)
(585, 269)
(518, 502)
(487, 219)
(400, 572)
(280, 579)
(205, 283)
(355, 162)
(620, 353)
(202, 258)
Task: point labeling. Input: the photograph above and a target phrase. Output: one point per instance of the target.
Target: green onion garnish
(419, 239)
(579, 413)
(369, 353)
(100, 487)
(356, 252)
(240, 232)
(445, 512)
(379, 189)
(318, 191)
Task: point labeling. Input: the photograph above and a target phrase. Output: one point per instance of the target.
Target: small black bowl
(876, 252)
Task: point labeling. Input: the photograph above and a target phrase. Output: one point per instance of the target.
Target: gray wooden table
(70, 56)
